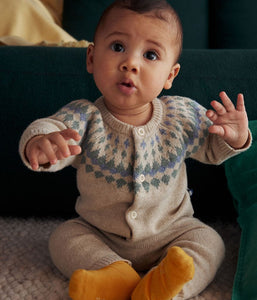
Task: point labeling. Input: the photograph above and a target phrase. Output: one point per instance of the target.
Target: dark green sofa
(36, 81)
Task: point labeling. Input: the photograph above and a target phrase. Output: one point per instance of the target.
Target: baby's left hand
(229, 122)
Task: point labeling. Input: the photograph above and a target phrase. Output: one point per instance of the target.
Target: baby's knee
(55, 240)
(216, 248)
(59, 248)
(208, 257)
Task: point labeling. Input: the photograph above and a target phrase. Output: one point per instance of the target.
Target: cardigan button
(133, 215)
(142, 178)
(141, 131)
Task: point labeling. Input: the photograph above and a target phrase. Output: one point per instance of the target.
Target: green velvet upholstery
(233, 24)
(241, 172)
(36, 81)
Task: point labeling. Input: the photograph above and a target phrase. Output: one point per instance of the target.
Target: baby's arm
(49, 148)
(230, 122)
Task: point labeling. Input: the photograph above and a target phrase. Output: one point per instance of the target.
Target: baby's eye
(117, 47)
(151, 55)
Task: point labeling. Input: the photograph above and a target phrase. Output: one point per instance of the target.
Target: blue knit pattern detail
(117, 159)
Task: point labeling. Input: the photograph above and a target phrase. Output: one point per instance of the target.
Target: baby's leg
(205, 247)
(98, 273)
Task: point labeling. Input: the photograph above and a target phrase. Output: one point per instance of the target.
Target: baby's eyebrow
(159, 45)
(116, 33)
(150, 41)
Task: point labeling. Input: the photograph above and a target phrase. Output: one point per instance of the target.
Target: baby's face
(133, 58)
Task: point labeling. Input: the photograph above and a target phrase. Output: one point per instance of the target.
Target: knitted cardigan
(132, 180)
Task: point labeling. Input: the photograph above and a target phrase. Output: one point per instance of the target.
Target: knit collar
(125, 128)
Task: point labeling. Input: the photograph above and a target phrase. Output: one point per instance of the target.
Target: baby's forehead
(117, 15)
(161, 14)
(163, 21)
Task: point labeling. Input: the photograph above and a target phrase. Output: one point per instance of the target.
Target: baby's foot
(114, 282)
(167, 279)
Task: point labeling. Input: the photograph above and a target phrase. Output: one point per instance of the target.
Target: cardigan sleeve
(209, 148)
(75, 115)
(188, 124)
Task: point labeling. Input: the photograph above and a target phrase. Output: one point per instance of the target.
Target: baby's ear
(90, 58)
(173, 73)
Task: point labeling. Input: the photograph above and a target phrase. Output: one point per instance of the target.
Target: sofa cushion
(241, 172)
(233, 24)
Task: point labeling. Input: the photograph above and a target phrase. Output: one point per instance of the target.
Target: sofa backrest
(232, 24)
(216, 24)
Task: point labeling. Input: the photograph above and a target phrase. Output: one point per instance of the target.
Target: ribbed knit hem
(41, 127)
(227, 151)
(125, 128)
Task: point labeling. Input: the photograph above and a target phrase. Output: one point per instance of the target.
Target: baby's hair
(159, 7)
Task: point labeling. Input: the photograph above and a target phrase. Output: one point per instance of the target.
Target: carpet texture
(26, 270)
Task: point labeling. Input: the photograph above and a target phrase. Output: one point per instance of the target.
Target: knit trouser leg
(207, 249)
(73, 245)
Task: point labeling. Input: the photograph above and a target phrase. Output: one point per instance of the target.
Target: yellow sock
(114, 282)
(167, 279)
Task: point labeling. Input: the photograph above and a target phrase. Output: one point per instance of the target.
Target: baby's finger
(218, 107)
(215, 129)
(240, 105)
(74, 149)
(33, 161)
(47, 149)
(228, 104)
(212, 115)
(70, 134)
(61, 144)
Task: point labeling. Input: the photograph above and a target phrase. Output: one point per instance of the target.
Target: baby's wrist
(242, 143)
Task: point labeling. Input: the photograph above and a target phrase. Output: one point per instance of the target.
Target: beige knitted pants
(75, 244)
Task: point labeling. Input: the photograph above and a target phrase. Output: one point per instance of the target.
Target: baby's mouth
(127, 87)
(128, 83)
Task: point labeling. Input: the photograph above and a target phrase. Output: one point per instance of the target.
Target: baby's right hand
(50, 148)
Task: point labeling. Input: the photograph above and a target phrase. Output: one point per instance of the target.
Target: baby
(129, 148)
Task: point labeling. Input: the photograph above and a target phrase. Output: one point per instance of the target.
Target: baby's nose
(131, 64)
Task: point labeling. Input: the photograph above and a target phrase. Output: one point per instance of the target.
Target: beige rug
(26, 271)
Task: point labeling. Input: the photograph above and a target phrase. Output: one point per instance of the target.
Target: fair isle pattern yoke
(132, 180)
(113, 152)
